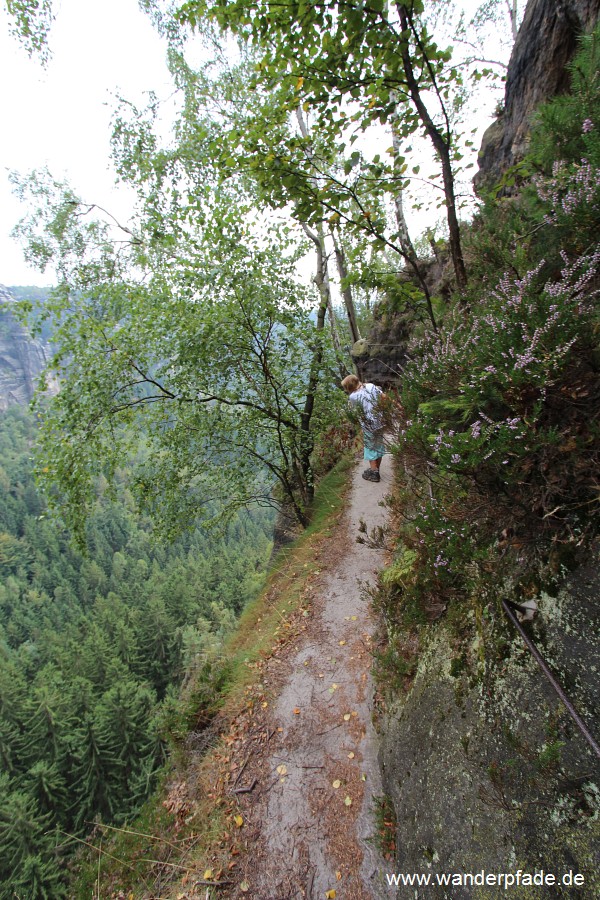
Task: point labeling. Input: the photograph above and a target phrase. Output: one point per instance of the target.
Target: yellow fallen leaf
(348, 801)
(208, 874)
(338, 875)
(337, 783)
(330, 895)
(282, 770)
(244, 886)
(238, 821)
(342, 643)
(346, 717)
(353, 618)
(351, 755)
(264, 704)
(296, 711)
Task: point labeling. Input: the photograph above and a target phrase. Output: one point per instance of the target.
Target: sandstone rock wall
(545, 45)
(484, 767)
(22, 358)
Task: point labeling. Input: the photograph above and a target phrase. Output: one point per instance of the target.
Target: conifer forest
(305, 207)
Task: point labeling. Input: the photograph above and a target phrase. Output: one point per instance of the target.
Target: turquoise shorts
(374, 447)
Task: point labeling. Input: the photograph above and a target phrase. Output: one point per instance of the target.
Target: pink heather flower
(587, 126)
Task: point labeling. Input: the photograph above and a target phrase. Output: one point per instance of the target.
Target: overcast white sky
(59, 117)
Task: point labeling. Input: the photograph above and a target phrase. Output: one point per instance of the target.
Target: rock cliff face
(537, 71)
(380, 358)
(22, 359)
(486, 771)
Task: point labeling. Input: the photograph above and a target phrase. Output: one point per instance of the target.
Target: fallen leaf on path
(238, 821)
(351, 755)
(348, 801)
(208, 874)
(346, 717)
(336, 784)
(330, 895)
(244, 886)
(282, 770)
(297, 711)
(342, 643)
(338, 875)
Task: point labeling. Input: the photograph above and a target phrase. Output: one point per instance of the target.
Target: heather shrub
(499, 425)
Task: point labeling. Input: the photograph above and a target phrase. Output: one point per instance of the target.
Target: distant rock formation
(545, 45)
(22, 358)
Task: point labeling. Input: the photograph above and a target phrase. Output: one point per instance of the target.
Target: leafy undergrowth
(184, 840)
(499, 412)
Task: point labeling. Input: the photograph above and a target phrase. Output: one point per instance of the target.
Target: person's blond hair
(350, 383)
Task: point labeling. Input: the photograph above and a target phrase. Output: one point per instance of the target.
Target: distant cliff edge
(22, 357)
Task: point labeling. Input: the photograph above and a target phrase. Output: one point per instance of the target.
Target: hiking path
(306, 789)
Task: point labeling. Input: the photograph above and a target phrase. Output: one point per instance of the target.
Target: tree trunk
(405, 242)
(340, 259)
(442, 148)
(322, 282)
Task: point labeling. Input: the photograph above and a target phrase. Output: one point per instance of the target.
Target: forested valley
(199, 369)
(94, 648)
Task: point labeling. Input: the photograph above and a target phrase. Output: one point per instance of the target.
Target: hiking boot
(371, 475)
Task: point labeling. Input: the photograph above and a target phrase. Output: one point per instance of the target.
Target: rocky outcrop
(485, 769)
(380, 357)
(545, 45)
(22, 358)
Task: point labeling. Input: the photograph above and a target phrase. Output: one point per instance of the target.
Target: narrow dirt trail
(310, 819)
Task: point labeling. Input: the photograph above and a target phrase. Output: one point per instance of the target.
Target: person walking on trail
(365, 400)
